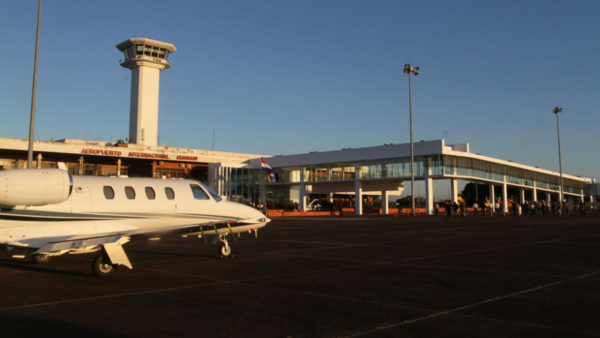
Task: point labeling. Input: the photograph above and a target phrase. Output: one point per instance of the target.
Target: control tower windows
(147, 50)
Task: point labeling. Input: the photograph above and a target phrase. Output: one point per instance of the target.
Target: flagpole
(263, 194)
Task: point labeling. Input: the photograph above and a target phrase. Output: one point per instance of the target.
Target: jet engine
(34, 187)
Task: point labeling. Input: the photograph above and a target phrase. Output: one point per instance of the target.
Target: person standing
(498, 205)
(543, 208)
(454, 209)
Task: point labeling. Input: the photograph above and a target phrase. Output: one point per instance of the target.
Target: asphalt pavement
(372, 276)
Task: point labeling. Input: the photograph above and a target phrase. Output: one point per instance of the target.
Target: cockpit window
(214, 195)
(199, 194)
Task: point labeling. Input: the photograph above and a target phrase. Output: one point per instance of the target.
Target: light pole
(415, 70)
(556, 111)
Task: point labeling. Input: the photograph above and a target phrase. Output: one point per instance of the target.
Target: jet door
(81, 200)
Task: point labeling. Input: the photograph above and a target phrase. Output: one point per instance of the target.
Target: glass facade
(240, 185)
(438, 166)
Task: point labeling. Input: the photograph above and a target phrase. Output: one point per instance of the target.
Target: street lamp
(556, 111)
(415, 70)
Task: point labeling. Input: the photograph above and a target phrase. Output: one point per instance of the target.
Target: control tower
(146, 58)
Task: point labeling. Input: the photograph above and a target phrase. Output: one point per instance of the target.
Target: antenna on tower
(212, 147)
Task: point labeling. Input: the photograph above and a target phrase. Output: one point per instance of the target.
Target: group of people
(458, 208)
(453, 209)
(553, 208)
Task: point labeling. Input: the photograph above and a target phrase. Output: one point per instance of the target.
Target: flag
(270, 172)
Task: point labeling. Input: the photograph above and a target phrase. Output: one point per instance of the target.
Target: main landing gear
(41, 258)
(224, 248)
(102, 266)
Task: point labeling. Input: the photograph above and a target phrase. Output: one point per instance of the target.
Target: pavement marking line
(284, 253)
(433, 238)
(216, 280)
(526, 324)
(78, 300)
(434, 315)
(481, 270)
(499, 247)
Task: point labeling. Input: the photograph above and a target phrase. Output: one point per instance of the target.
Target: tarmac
(371, 276)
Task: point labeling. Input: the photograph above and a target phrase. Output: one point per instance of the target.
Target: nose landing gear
(224, 248)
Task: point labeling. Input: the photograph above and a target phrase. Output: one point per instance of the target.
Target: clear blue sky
(288, 77)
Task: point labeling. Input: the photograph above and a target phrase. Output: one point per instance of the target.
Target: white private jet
(54, 213)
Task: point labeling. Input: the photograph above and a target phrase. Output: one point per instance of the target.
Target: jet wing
(113, 242)
(112, 246)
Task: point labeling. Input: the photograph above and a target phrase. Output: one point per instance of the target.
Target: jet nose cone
(249, 214)
(260, 216)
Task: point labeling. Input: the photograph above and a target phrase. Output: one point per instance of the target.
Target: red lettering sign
(148, 155)
(101, 152)
(187, 158)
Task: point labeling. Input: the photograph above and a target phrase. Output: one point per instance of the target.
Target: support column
(592, 202)
(504, 197)
(81, 165)
(492, 193)
(358, 205)
(263, 191)
(454, 189)
(385, 203)
(302, 200)
(39, 161)
(429, 195)
(521, 196)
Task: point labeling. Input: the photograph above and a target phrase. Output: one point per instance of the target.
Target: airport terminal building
(353, 173)
(116, 158)
(382, 171)
(379, 171)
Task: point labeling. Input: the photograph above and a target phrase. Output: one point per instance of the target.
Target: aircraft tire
(102, 266)
(41, 258)
(224, 250)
